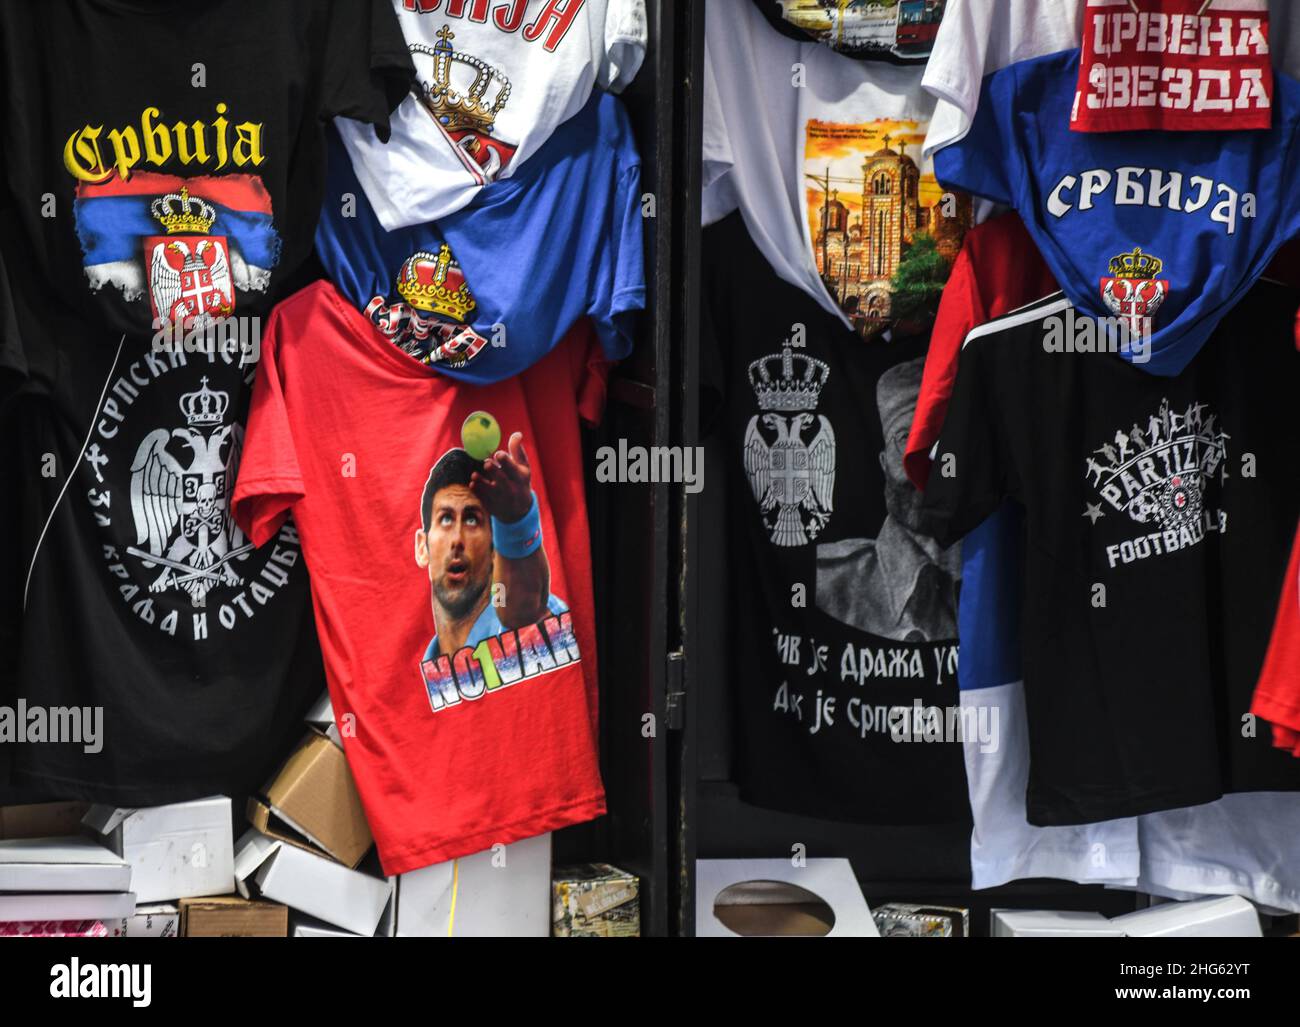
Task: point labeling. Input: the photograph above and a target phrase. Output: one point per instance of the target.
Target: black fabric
(1159, 516)
(131, 590)
(837, 25)
(836, 603)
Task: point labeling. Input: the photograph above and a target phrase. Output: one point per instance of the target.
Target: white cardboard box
(162, 920)
(321, 714)
(70, 864)
(1034, 923)
(776, 883)
(312, 884)
(106, 906)
(309, 927)
(496, 893)
(1230, 917)
(179, 851)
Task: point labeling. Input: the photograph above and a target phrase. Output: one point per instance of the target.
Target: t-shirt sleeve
(270, 480)
(987, 161)
(589, 371)
(619, 283)
(1277, 695)
(720, 197)
(367, 67)
(969, 479)
(625, 40)
(960, 310)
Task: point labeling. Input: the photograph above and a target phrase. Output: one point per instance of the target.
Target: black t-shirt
(136, 594)
(165, 156)
(843, 614)
(1158, 516)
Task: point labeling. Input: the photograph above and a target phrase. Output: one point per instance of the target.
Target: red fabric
(343, 431)
(1184, 65)
(997, 270)
(1277, 695)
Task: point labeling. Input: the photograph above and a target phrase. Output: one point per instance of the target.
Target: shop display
(821, 154)
(941, 535)
(439, 580)
(1162, 526)
(482, 294)
(146, 205)
(493, 82)
(1153, 247)
(845, 612)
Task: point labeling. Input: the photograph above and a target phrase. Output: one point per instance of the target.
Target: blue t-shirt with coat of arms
(1173, 227)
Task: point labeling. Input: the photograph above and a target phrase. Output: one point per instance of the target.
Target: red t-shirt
(1184, 65)
(488, 734)
(997, 269)
(1277, 696)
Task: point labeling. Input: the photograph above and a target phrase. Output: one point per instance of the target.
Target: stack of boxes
(303, 865)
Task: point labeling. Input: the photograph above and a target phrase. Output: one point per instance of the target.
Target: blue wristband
(521, 538)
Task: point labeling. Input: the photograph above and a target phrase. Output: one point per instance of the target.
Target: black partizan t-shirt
(165, 168)
(844, 655)
(1158, 516)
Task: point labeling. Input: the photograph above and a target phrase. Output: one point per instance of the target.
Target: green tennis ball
(480, 435)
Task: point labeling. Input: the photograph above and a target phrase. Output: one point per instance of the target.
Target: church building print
(884, 234)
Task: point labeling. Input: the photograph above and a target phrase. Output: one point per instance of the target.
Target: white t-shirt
(808, 144)
(493, 80)
(1242, 844)
(977, 37)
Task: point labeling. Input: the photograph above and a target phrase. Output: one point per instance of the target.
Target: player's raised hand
(504, 483)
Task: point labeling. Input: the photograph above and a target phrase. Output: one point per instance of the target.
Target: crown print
(799, 387)
(1135, 265)
(180, 212)
(436, 284)
(203, 406)
(475, 108)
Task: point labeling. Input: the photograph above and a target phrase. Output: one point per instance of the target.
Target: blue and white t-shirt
(486, 292)
(1174, 227)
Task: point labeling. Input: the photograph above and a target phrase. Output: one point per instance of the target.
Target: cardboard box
(177, 851)
(595, 900)
(770, 897)
(106, 906)
(42, 819)
(158, 921)
(1230, 917)
(1033, 923)
(502, 892)
(229, 916)
(67, 864)
(314, 797)
(310, 883)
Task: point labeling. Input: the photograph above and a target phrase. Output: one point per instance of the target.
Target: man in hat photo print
(900, 585)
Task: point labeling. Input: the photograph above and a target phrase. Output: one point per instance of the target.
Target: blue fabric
(988, 609)
(521, 538)
(1020, 148)
(110, 229)
(488, 625)
(558, 240)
